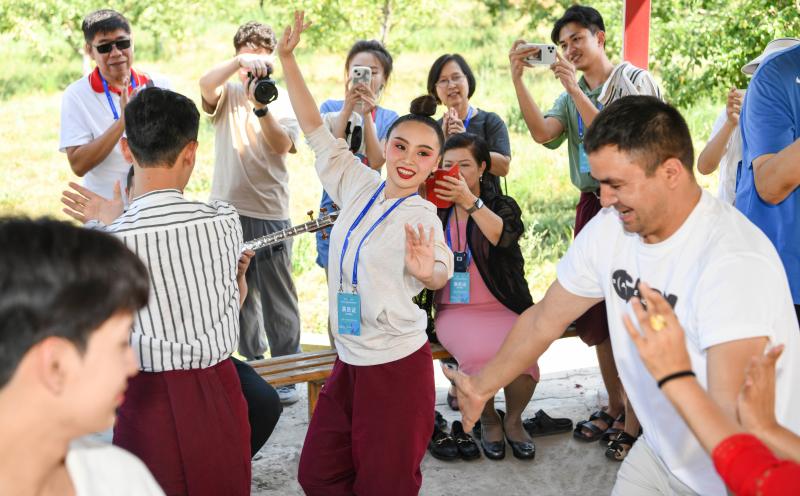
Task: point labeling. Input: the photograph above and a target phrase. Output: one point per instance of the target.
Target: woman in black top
(452, 83)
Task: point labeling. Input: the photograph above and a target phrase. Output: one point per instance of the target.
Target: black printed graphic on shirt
(626, 288)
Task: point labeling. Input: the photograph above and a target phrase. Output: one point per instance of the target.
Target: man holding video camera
(581, 39)
(255, 129)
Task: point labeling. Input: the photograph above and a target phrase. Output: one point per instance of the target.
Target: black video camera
(265, 91)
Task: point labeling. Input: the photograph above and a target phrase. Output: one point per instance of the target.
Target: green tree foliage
(699, 47)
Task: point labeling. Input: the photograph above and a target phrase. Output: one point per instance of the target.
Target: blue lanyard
(580, 120)
(108, 93)
(449, 240)
(469, 118)
(369, 231)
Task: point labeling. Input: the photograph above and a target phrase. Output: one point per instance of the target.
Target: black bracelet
(676, 375)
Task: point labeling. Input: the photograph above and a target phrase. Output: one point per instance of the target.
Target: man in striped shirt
(184, 415)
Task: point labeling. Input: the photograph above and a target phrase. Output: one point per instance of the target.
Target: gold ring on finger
(657, 322)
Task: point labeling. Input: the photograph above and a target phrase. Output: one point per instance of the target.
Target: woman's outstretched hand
(291, 35)
(419, 253)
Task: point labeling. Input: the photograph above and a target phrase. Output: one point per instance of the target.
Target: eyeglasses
(120, 44)
(455, 79)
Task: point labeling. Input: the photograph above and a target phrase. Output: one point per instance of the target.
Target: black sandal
(619, 446)
(542, 424)
(595, 431)
(612, 431)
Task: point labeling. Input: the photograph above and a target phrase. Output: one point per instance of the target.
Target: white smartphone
(546, 56)
(360, 74)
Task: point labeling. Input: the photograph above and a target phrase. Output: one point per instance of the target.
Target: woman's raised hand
(291, 35)
(419, 258)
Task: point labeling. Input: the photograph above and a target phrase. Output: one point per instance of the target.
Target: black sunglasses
(120, 44)
(356, 137)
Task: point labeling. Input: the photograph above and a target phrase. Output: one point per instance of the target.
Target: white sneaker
(288, 394)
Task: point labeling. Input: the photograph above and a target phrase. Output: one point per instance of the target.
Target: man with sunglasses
(93, 107)
(251, 141)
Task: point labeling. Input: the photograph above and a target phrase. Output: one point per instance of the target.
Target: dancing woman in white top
(373, 420)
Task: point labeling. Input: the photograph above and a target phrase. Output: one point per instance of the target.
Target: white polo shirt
(85, 116)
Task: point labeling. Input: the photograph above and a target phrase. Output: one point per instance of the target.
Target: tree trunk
(385, 25)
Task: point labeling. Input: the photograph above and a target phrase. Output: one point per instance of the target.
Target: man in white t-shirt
(718, 271)
(93, 107)
(65, 359)
(253, 136)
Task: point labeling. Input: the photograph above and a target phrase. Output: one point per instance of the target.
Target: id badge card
(459, 287)
(583, 160)
(349, 313)
(460, 261)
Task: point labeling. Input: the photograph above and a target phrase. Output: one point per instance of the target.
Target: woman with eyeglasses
(358, 119)
(452, 83)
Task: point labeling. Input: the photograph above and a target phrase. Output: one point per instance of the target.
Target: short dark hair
(436, 71)
(375, 48)
(585, 16)
(159, 123)
(103, 21)
(421, 110)
(645, 127)
(57, 279)
(474, 143)
(254, 33)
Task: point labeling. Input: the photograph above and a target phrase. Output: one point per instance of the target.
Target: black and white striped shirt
(191, 250)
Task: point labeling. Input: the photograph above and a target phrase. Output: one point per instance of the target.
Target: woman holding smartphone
(358, 119)
(488, 291)
(372, 422)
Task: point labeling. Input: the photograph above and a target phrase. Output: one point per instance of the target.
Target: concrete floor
(570, 387)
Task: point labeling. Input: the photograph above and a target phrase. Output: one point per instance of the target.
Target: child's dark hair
(80, 279)
(476, 145)
(375, 48)
(421, 110)
(585, 16)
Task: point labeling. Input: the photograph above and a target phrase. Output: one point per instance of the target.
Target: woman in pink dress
(488, 291)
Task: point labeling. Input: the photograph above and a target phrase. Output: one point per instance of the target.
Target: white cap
(773, 46)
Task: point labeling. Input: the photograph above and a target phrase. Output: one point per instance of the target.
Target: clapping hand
(291, 35)
(451, 124)
(661, 343)
(734, 105)
(756, 400)
(84, 205)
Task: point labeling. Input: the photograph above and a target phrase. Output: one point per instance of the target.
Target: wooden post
(636, 38)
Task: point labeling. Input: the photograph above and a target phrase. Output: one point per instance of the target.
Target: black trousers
(263, 405)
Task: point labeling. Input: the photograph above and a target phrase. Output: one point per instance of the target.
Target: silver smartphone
(546, 55)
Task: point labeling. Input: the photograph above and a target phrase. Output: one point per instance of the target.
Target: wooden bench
(315, 367)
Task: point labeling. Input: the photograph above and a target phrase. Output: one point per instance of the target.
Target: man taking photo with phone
(581, 38)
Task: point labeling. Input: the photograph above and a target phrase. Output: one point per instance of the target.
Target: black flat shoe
(442, 445)
(522, 450)
(494, 450)
(467, 447)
